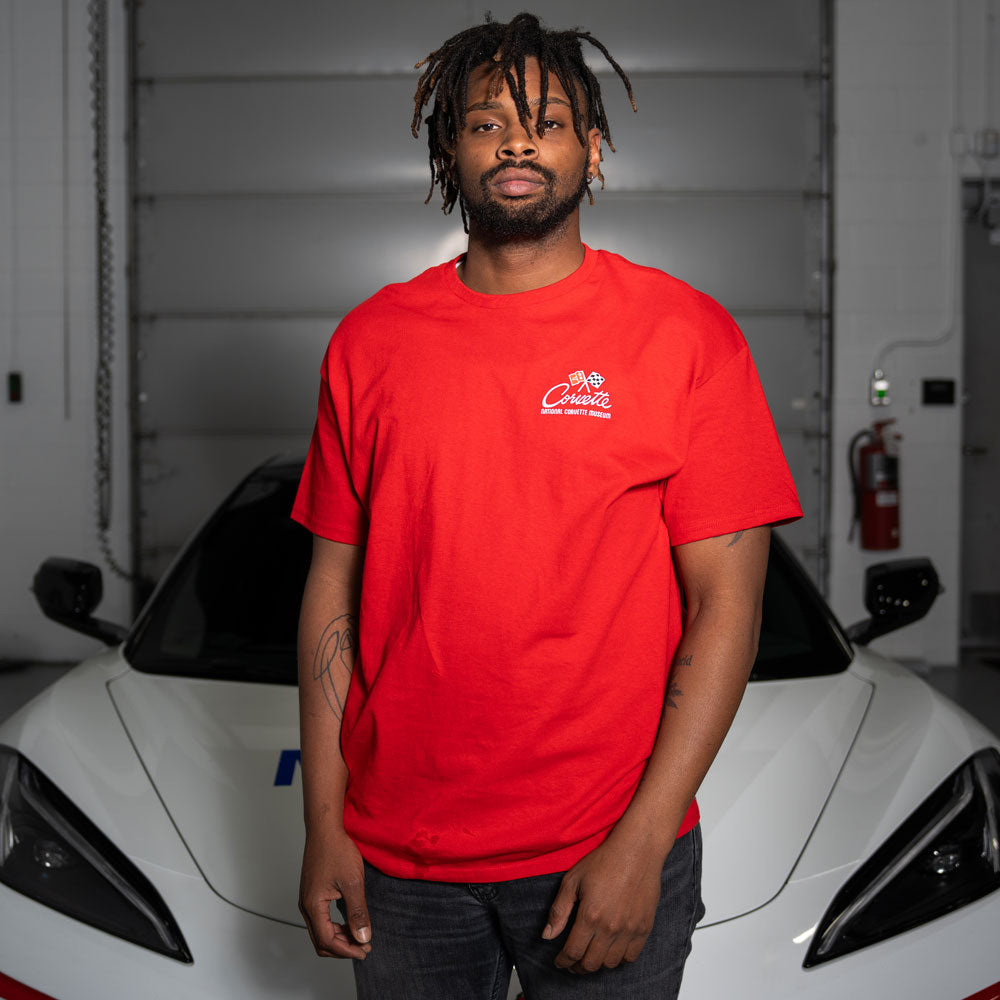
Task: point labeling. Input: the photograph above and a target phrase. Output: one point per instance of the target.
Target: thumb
(562, 906)
(356, 911)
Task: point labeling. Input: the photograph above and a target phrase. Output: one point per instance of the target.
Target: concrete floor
(975, 685)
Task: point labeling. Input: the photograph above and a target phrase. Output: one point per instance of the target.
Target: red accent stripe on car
(11, 989)
(990, 993)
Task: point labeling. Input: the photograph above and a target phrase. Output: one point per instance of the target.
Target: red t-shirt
(518, 467)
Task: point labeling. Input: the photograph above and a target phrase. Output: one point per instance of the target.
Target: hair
(446, 77)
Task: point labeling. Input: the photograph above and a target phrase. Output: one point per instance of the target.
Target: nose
(517, 145)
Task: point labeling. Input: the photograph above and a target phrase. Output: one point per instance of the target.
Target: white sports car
(150, 813)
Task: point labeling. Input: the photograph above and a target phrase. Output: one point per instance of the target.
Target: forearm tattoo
(333, 662)
(734, 539)
(673, 691)
(673, 688)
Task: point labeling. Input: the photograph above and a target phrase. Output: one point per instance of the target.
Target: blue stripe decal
(286, 766)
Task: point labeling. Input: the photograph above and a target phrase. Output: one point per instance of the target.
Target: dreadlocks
(506, 46)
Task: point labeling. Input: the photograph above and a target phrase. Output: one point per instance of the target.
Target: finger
(635, 946)
(339, 944)
(330, 939)
(321, 931)
(616, 953)
(317, 917)
(562, 907)
(356, 910)
(343, 944)
(594, 956)
(577, 945)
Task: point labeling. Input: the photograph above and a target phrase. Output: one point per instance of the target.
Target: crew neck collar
(509, 300)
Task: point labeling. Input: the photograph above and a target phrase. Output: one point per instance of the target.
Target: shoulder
(395, 306)
(669, 292)
(689, 318)
(402, 295)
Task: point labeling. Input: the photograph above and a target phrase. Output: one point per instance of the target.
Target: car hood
(223, 758)
(773, 775)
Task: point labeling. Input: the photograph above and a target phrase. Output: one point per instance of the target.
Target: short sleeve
(734, 475)
(327, 502)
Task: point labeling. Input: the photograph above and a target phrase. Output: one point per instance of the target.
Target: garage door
(276, 185)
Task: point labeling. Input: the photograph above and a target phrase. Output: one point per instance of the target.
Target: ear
(594, 152)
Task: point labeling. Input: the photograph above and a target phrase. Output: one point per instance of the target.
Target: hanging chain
(97, 11)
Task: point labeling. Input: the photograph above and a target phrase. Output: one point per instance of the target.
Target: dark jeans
(458, 941)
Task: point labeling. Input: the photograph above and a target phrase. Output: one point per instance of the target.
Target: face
(515, 185)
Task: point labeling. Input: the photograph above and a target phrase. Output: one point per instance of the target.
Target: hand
(618, 891)
(332, 869)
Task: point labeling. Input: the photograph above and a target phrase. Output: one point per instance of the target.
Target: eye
(484, 127)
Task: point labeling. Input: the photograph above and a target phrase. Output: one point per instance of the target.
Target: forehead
(479, 81)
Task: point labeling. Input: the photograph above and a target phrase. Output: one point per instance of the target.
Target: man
(503, 723)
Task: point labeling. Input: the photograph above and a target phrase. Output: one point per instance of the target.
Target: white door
(981, 438)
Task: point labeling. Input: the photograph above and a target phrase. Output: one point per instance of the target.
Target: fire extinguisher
(875, 480)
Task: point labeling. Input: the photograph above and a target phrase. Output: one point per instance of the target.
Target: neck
(502, 267)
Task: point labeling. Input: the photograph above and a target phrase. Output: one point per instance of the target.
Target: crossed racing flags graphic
(594, 379)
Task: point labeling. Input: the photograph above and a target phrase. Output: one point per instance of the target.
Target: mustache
(549, 175)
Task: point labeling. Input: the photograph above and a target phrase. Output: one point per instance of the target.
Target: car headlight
(945, 855)
(52, 853)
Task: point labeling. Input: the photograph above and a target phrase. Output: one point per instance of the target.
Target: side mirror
(67, 591)
(897, 593)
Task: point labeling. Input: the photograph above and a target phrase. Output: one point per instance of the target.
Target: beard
(518, 219)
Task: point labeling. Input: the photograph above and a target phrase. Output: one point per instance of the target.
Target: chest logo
(579, 396)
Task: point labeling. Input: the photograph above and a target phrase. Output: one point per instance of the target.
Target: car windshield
(799, 637)
(228, 609)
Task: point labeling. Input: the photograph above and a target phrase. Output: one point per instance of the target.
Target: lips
(514, 182)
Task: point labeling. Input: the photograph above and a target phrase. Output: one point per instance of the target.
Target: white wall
(47, 314)
(909, 85)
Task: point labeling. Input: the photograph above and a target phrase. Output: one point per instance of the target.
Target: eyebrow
(497, 106)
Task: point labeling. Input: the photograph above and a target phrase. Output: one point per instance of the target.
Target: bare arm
(617, 885)
(331, 866)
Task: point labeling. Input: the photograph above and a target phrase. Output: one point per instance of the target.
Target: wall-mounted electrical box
(938, 392)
